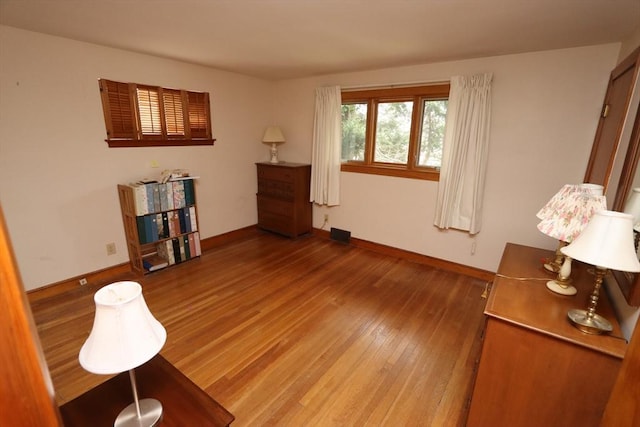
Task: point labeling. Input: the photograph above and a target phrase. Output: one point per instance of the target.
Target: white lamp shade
(606, 242)
(273, 134)
(596, 189)
(125, 334)
(633, 206)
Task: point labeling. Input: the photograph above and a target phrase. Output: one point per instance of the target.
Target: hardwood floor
(305, 332)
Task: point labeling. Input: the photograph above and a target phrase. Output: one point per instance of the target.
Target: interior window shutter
(199, 121)
(118, 108)
(149, 112)
(173, 112)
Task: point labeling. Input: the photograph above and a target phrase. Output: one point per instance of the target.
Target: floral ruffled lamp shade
(563, 218)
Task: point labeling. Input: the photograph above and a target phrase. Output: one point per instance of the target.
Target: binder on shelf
(150, 203)
(187, 220)
(165, 224)
(155, 188)
(164, 205)
(194, 220)
(183, 254)
(187, 249)
(178, 194)
(192, 245)
(189, 192)
(160, 226)
(151, 228)
(169, 189)
(176, 250)
(196, 240)
(140, 199)
(142, 232)
(183, 221)
(174, 224)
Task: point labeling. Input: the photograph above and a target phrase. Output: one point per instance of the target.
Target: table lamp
(563, 218)
(273, 135)
(606, 243)
(124, 336)
(633, 207)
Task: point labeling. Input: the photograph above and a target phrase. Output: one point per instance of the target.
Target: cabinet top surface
(519, 295)
(283, 164)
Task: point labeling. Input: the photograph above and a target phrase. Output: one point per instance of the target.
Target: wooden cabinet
(283, 198)
(160, 223)
(536, 369)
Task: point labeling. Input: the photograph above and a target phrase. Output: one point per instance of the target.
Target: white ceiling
(279, 39)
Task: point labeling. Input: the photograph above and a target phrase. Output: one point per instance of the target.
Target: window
(397, 132)
(145, 116)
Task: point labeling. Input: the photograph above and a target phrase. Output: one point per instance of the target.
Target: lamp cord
(524, 279)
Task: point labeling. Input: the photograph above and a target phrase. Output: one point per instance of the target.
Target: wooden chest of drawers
(283, 198)
(536, 369)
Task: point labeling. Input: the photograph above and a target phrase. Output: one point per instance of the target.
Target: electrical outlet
(83, 281)
(326, 218)
(111, 248)
(154, 164)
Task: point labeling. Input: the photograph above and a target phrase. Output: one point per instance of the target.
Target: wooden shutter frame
(136, 138)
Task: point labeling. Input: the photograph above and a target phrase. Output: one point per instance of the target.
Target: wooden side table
(183, 402)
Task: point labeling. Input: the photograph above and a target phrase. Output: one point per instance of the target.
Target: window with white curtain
(396, 131)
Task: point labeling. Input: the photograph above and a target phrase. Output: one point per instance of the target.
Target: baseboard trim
(221, 239)
(123, 271)
(103, 276)
(414, 257)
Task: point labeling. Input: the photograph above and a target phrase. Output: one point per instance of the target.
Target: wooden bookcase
(158, 228)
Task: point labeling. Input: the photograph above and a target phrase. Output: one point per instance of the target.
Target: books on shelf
(154, 262)
(154, 197)
(179, 249)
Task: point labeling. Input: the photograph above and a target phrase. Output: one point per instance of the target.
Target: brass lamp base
(150, 414)
(555, 264)
(594, 324)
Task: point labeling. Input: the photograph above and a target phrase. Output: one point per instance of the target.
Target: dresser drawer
(279, 189)
(275, 173)
(275, 206)
(274, 222)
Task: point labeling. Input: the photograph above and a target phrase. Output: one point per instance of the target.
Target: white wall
(58, 177)
(544, 116)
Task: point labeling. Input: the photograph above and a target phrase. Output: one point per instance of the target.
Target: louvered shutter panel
(149, 112)
(173, 112)
(199, 121)
(118, 108)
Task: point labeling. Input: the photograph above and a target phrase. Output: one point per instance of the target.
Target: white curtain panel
(464, 157)
(327, 141)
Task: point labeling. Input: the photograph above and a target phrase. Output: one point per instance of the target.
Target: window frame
(373, 97)
(123, 118)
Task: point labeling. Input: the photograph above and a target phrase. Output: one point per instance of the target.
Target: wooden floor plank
(299, 332)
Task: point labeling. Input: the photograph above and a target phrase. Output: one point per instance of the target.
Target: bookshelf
(160, 223)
